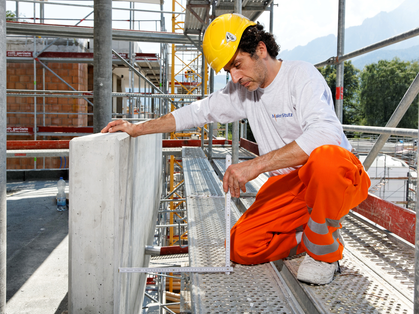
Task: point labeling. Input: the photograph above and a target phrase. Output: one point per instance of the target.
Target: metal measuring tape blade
(227, 269)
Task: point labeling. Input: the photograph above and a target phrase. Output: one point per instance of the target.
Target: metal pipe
(168, 96)
(83, 20)
(102, 64)
(381, 44)
(211, 125)
(226, 132)
(171, 225)
(131, 60)
(235, 126)
(340, 66)
(381, 130)
(164, 275)
(17, 10)
(238, 6)
(3, 151)
(66, 31)
(271, 18)
(91, 6)
(203, 94)
(47, 95)
(235, 143)
(88, 94)
(397, 115)
(172, 211)
(42, 12)
(173, 200)
(157, 301)
(174, 191)
(46, 113)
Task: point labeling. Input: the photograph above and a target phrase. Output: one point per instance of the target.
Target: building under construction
(148, 221)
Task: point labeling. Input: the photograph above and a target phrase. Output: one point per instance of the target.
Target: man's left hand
(236, 177)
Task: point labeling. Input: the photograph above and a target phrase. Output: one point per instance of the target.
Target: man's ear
(262, 50)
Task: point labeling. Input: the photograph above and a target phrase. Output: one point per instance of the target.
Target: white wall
(115, 185)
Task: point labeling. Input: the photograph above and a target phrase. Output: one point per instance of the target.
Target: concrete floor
(37, 249)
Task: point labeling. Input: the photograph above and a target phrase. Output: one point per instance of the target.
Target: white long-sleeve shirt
(296, 106)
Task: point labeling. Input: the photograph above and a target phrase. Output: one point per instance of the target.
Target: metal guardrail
(381, 130)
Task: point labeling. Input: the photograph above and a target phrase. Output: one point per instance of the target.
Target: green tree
(383, 85)
(351, 111)
(10, 15)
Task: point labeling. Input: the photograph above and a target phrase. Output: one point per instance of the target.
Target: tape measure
(227, 269)
(227, 216)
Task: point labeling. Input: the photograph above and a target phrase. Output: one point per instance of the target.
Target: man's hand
(163, 124)
(120, 125)
(237, 175)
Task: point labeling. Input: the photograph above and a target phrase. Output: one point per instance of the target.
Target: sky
(296, 22)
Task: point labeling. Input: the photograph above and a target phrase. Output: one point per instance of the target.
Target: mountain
(408, 54)
(372, 30)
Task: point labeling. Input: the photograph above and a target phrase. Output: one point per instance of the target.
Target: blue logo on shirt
(282, 115)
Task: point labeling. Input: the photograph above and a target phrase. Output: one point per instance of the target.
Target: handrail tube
(91, 6)
(48, 30)
(381, 130)
(378, 45)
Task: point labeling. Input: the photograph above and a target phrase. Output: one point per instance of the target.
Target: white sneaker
(316, 272)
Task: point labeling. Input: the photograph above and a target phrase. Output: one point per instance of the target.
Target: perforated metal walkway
(377, 268)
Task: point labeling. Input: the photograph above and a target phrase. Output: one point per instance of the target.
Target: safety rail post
(211, 125)
(340, 66)
(172, 207)
(203, 95)
(3, 136)
(235, 126)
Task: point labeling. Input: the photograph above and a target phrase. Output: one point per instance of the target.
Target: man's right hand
(163, 124)
(120, 125)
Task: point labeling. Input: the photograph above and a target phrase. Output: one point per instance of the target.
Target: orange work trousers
(301, 211)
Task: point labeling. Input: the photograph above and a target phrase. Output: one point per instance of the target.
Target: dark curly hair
(255, 34)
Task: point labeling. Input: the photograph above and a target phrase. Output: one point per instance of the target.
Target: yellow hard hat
(222, 38)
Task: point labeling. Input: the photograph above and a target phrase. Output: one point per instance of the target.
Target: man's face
(248, 71)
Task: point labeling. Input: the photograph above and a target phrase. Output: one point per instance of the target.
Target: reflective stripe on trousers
(301, 211)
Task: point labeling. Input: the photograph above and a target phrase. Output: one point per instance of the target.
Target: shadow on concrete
(34, 230)
(63, 305)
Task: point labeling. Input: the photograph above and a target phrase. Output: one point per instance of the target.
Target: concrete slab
(114, 198)
(37, 251)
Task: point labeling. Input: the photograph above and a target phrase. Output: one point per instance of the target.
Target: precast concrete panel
(115, 186)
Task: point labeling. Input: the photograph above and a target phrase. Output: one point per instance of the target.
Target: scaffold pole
(102, 64)
(3, 125)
